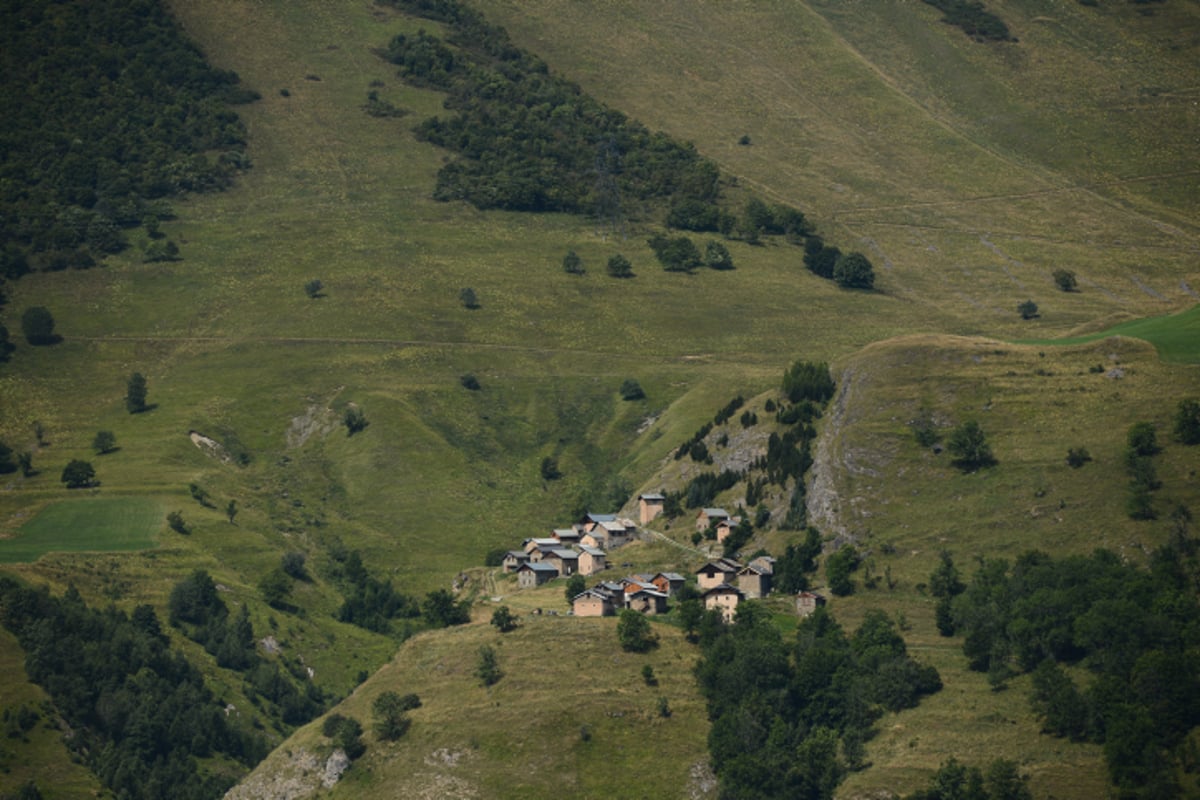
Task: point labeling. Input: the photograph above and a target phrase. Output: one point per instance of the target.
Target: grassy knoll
(589, 725)
(91, 525)
(1033, 404)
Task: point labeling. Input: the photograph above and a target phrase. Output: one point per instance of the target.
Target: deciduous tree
(504, 620)
(969, 446)
(619, 267)
(1064, 279)
(487, 668)
(275, 587)
(37, 323)
(631, 390)
(104, 442)
(633, 632)
(8, 459)
(716, 255)
(1187, 421)
(575, 585)
(854, 271)
(6, 347)
(78, 474)
(572, 264)
(355, 420)
(175, 522)
(391, 721)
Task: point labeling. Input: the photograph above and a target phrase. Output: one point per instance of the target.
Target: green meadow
(968, 173)
(78, 526)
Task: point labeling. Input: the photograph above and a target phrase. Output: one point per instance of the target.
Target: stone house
(535, 574)
(669, 582)
(715, 573)
(596, 539)
(754, 581)
(724, 598)
(589, 521)
(764, 563)
(650, 505)
(567, 537)
(726, 527)
(709, 517)
(594, 602)
(591, 560)
(514, 559)
(564, 560)
(646, 601)
(529, 545)
(807, 602)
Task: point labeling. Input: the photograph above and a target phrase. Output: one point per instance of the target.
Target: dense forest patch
(109, 110)
(789, 719)
(140, 714)
(529, 140)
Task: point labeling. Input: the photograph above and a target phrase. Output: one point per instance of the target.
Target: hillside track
(684, 358)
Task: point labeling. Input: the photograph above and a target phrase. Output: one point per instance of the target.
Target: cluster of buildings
(582, 549)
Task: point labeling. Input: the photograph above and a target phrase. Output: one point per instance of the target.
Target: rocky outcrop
(291, 776)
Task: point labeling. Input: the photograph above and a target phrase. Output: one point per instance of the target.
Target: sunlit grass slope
(572, 716)
(968, 172)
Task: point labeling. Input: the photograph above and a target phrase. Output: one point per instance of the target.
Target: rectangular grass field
(88, 524)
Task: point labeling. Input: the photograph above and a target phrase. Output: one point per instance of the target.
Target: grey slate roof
(539, 566)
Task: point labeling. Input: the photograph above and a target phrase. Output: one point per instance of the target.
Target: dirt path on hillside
(686, 358)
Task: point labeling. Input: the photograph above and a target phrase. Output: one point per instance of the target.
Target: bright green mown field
(99, 524)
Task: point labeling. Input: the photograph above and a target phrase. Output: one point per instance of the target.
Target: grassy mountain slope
(967, 186)
(571, 716)
(968, 171)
